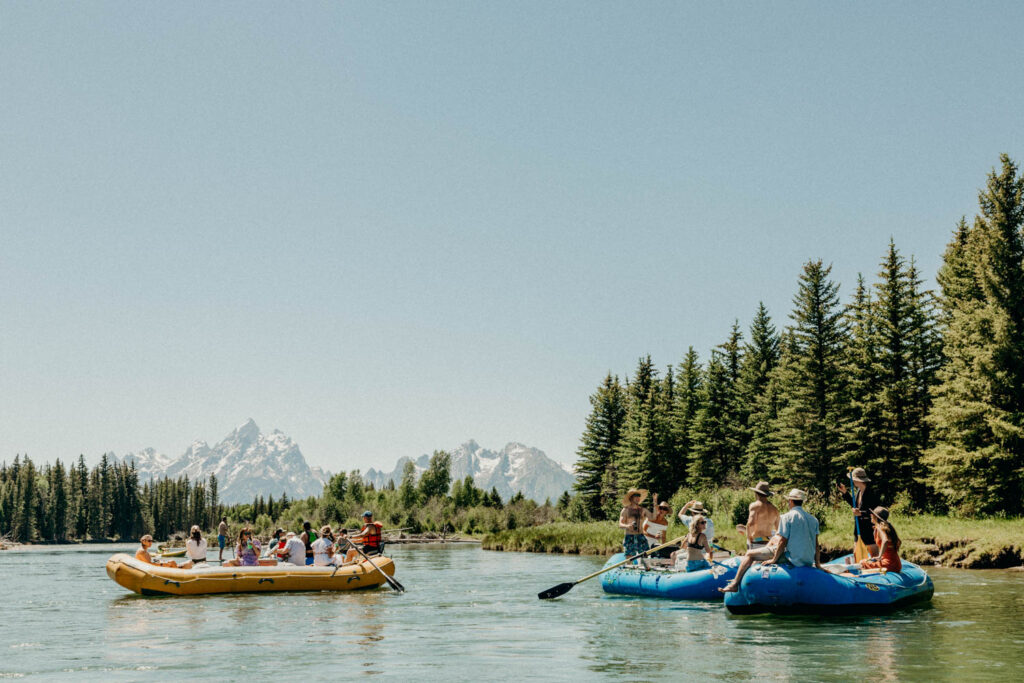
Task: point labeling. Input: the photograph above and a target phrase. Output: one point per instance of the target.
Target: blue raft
(672, 585)
(784, 589)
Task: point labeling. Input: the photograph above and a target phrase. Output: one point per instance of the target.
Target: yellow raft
(149, 579)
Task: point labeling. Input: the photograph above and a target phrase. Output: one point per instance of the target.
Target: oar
(563, 588)
(391, 582)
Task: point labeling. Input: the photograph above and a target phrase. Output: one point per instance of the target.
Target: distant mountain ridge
(514, 468)
(247, 463)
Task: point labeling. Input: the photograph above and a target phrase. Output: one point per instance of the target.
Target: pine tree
(716, 432)
(683, 415)
(641, 454)
(58, 502)
(811, 402)
(978, 415)
(756, 391)
(599, 442)
(863, 383)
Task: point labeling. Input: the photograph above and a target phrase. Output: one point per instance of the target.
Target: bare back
(763, 520)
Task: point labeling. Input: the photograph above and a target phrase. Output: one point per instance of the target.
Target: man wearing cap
(368, 537)
(763, 517)
(797, 539)
(294, 549)
(866, 501)
(631, 520)
(693, 510)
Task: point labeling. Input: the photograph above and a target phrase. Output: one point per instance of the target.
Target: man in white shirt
(295, 549)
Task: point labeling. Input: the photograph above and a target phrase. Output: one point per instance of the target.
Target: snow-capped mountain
(247, 464)
(514, 468)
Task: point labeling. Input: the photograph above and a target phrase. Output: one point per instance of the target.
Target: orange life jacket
(371, 535)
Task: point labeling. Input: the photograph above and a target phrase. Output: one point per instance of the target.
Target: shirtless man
(763, 520)
(631, 520)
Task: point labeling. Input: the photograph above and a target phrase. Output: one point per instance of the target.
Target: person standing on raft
(656, 528)
(631, 520)
(762, 519)
(866, 501)
(222, 536)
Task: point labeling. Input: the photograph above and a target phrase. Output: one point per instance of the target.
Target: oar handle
(630, 559)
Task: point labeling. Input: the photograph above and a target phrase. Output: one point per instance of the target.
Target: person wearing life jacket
(368, 538)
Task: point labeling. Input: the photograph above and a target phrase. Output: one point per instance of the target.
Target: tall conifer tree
(598, 445)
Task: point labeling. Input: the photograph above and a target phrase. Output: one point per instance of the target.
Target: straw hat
(698, 508)
(632, 492)
(882, 513)
(796, 494)
(762, 488)
(663, 505)
(860, 474)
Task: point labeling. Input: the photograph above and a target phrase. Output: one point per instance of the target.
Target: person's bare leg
(734, 585)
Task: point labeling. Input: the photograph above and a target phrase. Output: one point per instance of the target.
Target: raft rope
(233, 577)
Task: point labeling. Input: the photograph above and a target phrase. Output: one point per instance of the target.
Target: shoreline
(927, 541)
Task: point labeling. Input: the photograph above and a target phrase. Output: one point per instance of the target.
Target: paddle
(391, 582)
(563, 588)
(860, 551)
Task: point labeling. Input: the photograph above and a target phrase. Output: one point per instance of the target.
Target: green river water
(474, 614)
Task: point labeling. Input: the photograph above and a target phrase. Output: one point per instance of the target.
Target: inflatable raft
(148, 579)
(171, 552)
(784, 589)
(667, 583)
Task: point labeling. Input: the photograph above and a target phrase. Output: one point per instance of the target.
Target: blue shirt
(800, 529)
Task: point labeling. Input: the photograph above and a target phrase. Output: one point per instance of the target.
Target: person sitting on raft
(695, 509)
(294, 550)
(888, 542)
(308, 536)
(142, 554)
(631, 520)
(797, 542)
(247, 551)
(762, 517)
(323, 548)
(195, 548)
(368, 538)
(275, 546)
(696, 541)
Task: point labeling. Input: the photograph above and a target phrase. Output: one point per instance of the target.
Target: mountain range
(513, 469)
(249, 463)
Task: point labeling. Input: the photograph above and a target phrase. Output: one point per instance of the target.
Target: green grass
(927, 539)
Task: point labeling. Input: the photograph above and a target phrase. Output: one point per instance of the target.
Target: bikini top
(695, 545)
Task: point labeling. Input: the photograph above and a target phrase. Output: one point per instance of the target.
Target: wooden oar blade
(557, 591)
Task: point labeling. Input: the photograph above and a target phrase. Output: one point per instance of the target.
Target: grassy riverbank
(927, 539)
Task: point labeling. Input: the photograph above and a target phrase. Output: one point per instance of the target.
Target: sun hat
(796, 494)
(325, 529)
(882, 513)
(290, 534)
(663, 505)
(859, 474)
(367, 514)
(698, 507)
(762, 488)
(633, 492)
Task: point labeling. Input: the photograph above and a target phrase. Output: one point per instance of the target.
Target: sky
(387, 228)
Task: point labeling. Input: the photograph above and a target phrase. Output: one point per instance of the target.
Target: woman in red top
(888, 543)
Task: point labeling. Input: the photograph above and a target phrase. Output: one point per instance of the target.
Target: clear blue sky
(386, 228)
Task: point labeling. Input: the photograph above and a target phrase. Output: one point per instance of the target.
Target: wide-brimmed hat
(632, 492)
(762, 488)
(290, 534)
(796, 494)
(664, 505)
(882, 513)
(698, 508)
(860, 474)
(325, 529)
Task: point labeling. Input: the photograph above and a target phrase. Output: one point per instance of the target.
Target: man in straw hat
(797, 540)
(631, 520)
(763, 517)
(864, 502)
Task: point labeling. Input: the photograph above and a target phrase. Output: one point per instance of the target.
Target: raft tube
(632, 579)
(148, 579)
(784, 589)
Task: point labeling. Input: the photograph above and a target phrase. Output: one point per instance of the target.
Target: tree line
(107, 502)
(924, 389)
(60, 503)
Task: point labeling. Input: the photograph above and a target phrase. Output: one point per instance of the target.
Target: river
(474, 614)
